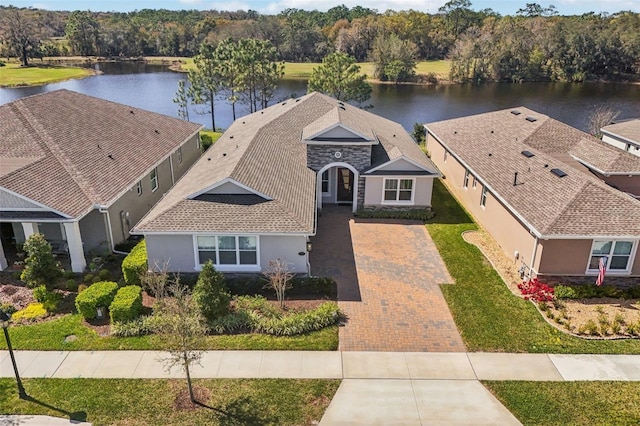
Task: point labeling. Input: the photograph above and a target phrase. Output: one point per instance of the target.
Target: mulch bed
(182, 400)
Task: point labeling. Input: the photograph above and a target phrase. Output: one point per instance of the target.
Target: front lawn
(50, 336)
(151, 402)
(12, 74)
(570, 403)
(489, 317)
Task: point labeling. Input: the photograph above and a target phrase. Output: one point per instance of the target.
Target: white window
(617, 255)
(179, 152)
(228, 250)
(466, 179)
(483, 197)
(325, 182)
(139, 188)
(398, 191)
(446, 154)
(153, 176)
(475, 183)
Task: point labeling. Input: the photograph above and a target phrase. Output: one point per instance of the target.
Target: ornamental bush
(210, 293)
(135, 264)
(127, 304)
(99, 294)
(536, 291)
(40, 266)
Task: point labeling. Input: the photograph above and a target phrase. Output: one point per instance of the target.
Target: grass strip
(13, 75)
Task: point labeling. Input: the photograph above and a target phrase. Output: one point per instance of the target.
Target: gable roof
(628, 130)
(578, 204)
(264, 151)
(71, 151)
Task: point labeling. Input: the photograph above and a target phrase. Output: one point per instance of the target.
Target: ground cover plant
(570, 403)
(12, 74)
(144, 402)
(488, 316)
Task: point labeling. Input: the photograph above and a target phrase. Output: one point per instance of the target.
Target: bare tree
(602, 116)
(179, 319)
(279, 274)
(22, 31)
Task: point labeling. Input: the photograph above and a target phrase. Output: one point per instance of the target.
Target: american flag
(602, 266)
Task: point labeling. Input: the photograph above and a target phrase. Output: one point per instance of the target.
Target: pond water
(152, 87)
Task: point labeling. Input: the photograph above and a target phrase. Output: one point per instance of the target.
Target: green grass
(151, 402)
(489, 317)
(570, 403)
(13, 74)
(50, 336)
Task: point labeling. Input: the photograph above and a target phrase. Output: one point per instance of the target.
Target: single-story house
(255, 194)
(82, 170)
(624, 135)
(540, 187)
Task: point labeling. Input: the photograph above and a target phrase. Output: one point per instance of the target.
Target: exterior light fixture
(309, 246)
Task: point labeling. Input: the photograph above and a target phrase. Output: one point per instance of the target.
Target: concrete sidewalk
(329, 365)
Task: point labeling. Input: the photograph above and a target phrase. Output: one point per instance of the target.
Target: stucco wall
(286, 248)
(190, 153)
(505, 228)
(565, 257)
(422, 192)
(51, 231)
(319, 156)
(94, 232)
(621, 144)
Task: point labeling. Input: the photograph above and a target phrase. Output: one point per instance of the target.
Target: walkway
(377, 387)
(388, 274)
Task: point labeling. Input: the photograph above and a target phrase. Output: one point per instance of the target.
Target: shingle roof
(71, 151)
(578, 204)
(629, 130)
(264, 151)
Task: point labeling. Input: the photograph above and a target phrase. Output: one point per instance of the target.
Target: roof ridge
(50, 145)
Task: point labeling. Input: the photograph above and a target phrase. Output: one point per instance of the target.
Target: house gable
(11, 201)
(400, 164)
(228, 186)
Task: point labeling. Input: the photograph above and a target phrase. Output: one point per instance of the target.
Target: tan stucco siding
(505, 228)
(93, 231)
(285, 248)
(422, 192)
(565, 257)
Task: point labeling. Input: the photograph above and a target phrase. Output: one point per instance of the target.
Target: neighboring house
(524, 177)
(255, 194)
(82, 170)
(624, 135)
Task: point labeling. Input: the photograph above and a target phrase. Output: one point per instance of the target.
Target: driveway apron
(388, 274)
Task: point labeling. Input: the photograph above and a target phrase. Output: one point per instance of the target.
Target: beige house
(624, 135)
(82, 171)
(254, 196)
(544, 190)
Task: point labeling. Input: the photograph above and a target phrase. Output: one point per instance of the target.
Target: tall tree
(182, 100)
(22, 31)
(339, 76)
(394, 59)
(205, 81)
(230, 66)
(82, 31)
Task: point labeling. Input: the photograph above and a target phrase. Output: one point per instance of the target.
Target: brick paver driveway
(388, 274)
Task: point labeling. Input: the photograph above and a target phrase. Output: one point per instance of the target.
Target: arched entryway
(337, 183)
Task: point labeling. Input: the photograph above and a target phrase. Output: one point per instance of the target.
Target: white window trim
(632, 257)
(139, 188)
(474, 184)
(154, 181)
(179, 153)
(322, 181)
(465, 182)
(228, 268)
(483, 196)
(446, 154)
(399, 202)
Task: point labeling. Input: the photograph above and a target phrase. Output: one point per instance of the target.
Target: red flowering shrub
(536, 291)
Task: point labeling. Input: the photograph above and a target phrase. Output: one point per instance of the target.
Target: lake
(152, 87)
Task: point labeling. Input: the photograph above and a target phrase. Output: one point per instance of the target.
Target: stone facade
(319, 156)
(613, 280)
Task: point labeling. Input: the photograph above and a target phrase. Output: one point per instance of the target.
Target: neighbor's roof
(577, 204)
(70, 151)
(264, 152)
(629, 130)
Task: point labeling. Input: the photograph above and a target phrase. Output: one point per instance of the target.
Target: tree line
(535, 44)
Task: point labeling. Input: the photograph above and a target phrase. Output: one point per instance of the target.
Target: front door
(344, 193)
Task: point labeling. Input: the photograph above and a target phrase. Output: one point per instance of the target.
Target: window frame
(474, 184)
(139, 188)
(398, 188)
(153, 177)
(465, 183)
(323, 181)
(483, 196)
(228, 267)
(446, 154)
(179, 154)
(630, 257)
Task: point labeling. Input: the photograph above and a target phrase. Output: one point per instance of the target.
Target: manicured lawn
(150, 402)
(570, 403)
(50, 335)
(489, 317)
(13, 74)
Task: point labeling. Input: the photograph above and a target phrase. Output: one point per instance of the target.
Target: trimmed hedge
(135, 264)
(98, 294)
(412, 214)
(127, 304)
(589, 291)
(300, 286)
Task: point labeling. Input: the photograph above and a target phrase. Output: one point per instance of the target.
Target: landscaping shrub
(40, 293)
(300, 285)
(88, 278)
(8, 308)
(49, 299)
(71, 285)
(210, 293)
(127, 304)
(205, 141)
(31, 312)
(565, 292)
(99, 294)
(82, 287)
(536, 291)
(235, 322)
(412, 214)
(69, 274)
(104, 274)
(301, 322)
(135, 264)
(136, 327)
(40, 266)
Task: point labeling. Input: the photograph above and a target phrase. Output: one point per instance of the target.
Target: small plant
(210, 293)
(8, 308)
(591, 328)
(127, 304)
(82, 287)
(41, 267)
(104, 275)
(564, 292)
(98, 295)
(616, 325)
(71, 285)
(600, 309)
(279, 276)
(536, 291)
(605, 323)
(88, 278)
(31, 312)
(134, 266)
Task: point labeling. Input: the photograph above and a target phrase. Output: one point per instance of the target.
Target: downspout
(173, 181)
(533, 255)
(315, 224)
(104, 210)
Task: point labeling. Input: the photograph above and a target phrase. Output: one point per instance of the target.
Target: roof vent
(284, 103)
(157, 131)
(231, 137)
(558, 172)
(297, 100)
(528, 154)
(342, 108)
(131, 111)
(515, 112)
(531, 119)
(111, 156)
